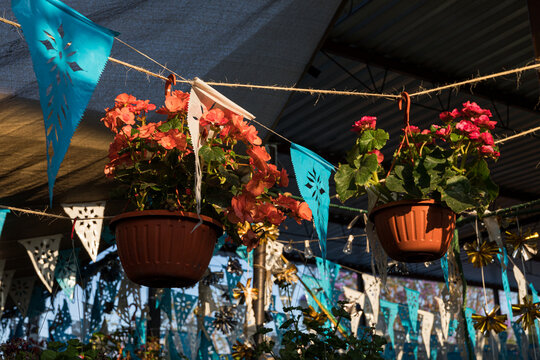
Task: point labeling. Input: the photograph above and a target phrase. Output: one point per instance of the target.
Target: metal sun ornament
(483, 254)
(529, 312)
(286, 275)
(225, 319)
(490, 322)
(524, 244)
(242, 292)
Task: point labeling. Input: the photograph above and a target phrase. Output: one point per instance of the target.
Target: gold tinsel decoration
(313, 316)
(481, 254)
(286, 275)
(490, 322)
(242, 351)
(242, 292)
(524, 244)
(529, 312)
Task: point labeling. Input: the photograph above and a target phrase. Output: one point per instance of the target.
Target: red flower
(471, 109)
(414, 129)
(175, 103)
(124, 100)
(443, 131)
(243, 207)
(488, 150)
(173, 139)
(304, 212)
(487, 138)
(283, 178)
(259, 157)
(466, 126)
(146, 131)
(380, 156)
(483, 121)
(365, 123)
(268, 212)
(214, 117)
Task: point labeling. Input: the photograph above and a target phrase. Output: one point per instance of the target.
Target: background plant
(446, 162)
(156, 165)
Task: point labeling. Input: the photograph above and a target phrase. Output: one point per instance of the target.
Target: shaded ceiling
(375, 46)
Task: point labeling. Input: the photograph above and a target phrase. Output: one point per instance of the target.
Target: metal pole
(259, 281)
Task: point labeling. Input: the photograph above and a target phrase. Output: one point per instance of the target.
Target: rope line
(311, 90)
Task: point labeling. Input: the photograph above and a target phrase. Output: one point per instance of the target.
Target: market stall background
(363, 45)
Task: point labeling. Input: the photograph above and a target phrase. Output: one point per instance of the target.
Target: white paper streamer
(372, 288)
(89, 231)
(201, 98)
(274, 250)
(521, 283)
(43, 252)
(427, 326)
(354, 298)
(21, 292)
(445, 318)
(493, 229)
(379, 259)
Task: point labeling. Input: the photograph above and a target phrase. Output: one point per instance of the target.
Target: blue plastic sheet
(3, 213)
(164, 302)
(444, 267)
(312, 175)
(69, 53)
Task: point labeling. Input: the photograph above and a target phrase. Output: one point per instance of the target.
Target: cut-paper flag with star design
(202, 98)
(43, 251)
(69, 53)
(312, 175)
(88, 219)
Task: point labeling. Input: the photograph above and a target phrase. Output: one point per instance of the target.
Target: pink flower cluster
(474, 122)
(365, 123)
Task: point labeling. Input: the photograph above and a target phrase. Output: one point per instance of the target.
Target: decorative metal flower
(242, 351)
(286, 275)
(242, 292)
(234, 267)
(481, 254)
(529, 312)
(311, 315)
(212, 278)
(524, 244)
(490, 322)
(224, 319)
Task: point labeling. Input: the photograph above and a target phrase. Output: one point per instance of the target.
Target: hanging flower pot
(414, 230)
(159, 248)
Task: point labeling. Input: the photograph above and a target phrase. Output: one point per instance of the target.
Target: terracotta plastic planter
(158, 249)
(414, 231)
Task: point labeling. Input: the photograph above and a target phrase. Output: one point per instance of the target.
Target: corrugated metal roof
(453, 39)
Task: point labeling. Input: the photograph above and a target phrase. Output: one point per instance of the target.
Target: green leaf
(372, 139)
(48, 355)
(368, 165)
(457, 194)
(344, 179)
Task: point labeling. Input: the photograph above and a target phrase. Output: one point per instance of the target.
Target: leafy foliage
(307, 336)
(446, 163)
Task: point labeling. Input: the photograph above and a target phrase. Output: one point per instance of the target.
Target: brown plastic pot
(414, 231)
(157, 248)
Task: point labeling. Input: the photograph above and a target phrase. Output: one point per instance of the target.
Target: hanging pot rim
(164, 213)
(429, 202)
